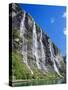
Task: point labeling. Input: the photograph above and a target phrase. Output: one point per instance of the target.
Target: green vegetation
(19, 69)
(47, 76)
(16, 39)
(15, 33)
(37, 27)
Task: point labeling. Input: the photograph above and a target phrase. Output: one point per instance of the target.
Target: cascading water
(35, 49)
(53, 59)
(42, 53)
(35, 46)
(24, 45)
(22, 27)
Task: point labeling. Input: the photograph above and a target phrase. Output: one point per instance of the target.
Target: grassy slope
(20, 70)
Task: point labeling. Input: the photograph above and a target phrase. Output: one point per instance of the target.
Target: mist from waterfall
(24, 44)
(35, 46)
(53, 58)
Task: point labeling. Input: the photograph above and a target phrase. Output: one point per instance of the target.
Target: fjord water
(39, 82)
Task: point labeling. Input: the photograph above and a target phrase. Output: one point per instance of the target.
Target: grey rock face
(36, 47)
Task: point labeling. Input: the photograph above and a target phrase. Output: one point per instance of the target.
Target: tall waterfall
(35, 51)
(35, 46)
(42, 53)
(24, 45)
(53, 58)
(22, 27)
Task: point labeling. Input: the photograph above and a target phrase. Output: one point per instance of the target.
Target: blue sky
(52, 19)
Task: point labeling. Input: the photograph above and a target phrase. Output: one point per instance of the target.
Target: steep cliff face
(37, 50)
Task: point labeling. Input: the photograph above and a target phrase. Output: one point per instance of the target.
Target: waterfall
(24, 44)
(42, 48)
(53, 59)
(35, 46)
(22, 27)
(42, 53)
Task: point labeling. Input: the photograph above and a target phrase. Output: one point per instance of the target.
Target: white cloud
(64, 15)
(65, 31)
(52, 20)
